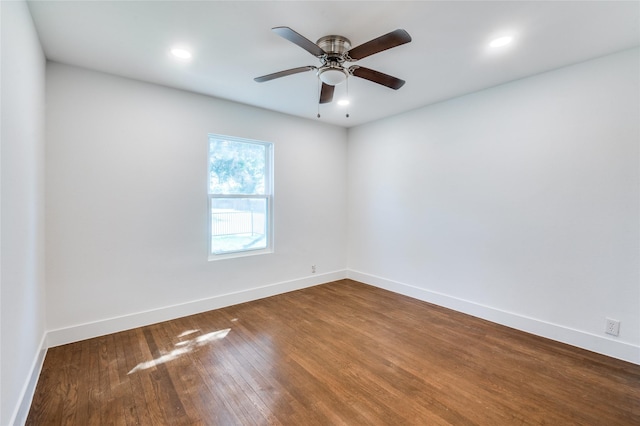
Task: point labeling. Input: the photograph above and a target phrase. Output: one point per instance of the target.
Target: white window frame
(267, 196)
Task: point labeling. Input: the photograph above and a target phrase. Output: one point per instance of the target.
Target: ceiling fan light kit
(333, 51)
(332, 76)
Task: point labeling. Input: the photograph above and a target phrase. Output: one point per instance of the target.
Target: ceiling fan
(333, 51)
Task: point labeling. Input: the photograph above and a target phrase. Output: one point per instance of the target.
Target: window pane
(238, 224)
(236, 167)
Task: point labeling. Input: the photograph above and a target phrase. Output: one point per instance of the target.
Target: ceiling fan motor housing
(336, 46)
(332, 72)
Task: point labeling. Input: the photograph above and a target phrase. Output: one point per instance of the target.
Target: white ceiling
(232, 43)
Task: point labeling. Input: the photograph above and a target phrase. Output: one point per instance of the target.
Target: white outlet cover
(612, 327)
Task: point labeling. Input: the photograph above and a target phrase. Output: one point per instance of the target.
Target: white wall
(518, 203)
(127, 203)
(22, 314)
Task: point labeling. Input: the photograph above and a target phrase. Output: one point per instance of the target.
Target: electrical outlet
(612, 327)
(313, 269)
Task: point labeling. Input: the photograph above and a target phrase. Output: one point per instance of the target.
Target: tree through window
(240, 196)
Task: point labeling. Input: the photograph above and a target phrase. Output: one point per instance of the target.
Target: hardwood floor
(340, 353)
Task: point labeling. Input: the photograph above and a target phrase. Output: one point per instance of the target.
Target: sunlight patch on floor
(182, 348)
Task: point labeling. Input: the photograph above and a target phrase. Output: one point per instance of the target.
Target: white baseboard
(112, 325)
(21, 412)
(602, 345)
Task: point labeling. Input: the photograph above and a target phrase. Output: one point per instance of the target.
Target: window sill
(234, 255)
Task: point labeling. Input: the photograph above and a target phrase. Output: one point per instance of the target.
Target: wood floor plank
(130, 358)
(340, 353)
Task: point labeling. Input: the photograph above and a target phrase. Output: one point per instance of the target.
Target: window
(240, 197)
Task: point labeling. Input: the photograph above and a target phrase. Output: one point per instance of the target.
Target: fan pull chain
(348, 99)
(318, 96)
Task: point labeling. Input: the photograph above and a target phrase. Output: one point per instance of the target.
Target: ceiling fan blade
(387, 41)
(300, 40)
(283, 73)
(326, 93)
(376, 77)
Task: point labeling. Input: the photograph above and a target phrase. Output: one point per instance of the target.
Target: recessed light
(343, 102)
(501, 41)
(180, 53)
